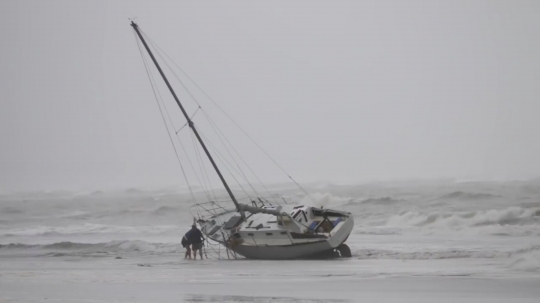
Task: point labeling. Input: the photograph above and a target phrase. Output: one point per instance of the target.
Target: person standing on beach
(186, 244)
(195, 237)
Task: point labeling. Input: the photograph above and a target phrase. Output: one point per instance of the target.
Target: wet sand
(170, 279)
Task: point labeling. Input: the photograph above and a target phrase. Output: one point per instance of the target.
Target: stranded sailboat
(263, 230)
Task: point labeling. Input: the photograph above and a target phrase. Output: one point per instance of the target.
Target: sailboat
(264, 230)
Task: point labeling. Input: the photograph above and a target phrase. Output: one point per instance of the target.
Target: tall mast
(190, 123)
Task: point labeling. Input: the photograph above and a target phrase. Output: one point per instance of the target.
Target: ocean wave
(459, 195)
(521, 259)
(508, 216)
(325, 199)
(82, 249)
(88, 228)
(377, 231)
(381, 201)
(123, 213)
(517, 256)
(526, 260)
(11, 210)
(165, 210)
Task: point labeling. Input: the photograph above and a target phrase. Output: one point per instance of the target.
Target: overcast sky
(338, 91)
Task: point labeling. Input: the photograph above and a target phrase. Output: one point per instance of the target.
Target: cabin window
(250, 234)
(297, 216)
(317, 212)
(216, 228)
(283, 232)
(269, 234)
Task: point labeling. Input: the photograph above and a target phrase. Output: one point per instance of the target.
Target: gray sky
(339, 91)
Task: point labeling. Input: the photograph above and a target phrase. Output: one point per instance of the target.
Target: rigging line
(159, 51)
(229, 152)
(225, 162)
(190, 118)
(200, 159)
(192, 167)
(236, 151)
(205, 190)
(223, 111)
(203, 167)
(163, 117)
(185, 152)
(218, 172)
(194, 99)
(223, 159)
(203, 171)
(204, 174)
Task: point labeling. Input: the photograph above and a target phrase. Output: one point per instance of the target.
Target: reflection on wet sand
(220, 298)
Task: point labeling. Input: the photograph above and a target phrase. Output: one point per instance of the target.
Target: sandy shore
(169, 279)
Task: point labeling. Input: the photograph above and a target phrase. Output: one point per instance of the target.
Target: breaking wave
(508, 216)
(11, 210)
(325, 199)
(459, 195)
(520, 256)
(526, 260)
(122, 213)
(81, 249)
(88, 228)
(376, 231)
(165, 210)
(381, 201)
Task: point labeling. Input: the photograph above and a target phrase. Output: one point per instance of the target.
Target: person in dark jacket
(195, 237)
(187, 245)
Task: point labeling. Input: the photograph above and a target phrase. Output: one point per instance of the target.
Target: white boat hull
(286, 244)
(292, 251)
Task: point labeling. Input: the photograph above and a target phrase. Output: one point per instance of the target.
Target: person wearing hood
(187, 245)
(195, 237)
